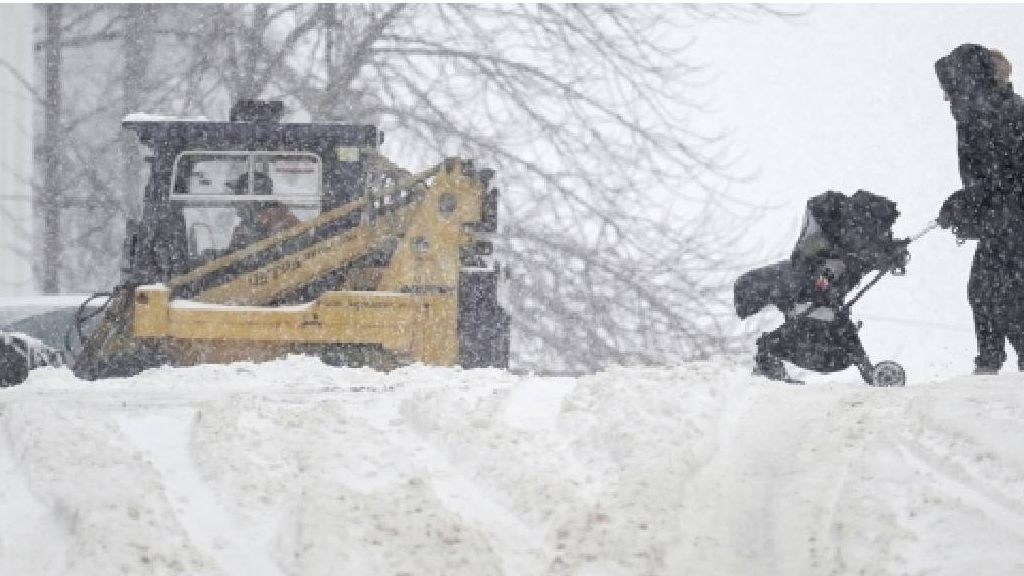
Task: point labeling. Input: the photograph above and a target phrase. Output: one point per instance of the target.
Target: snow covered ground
(293, 467)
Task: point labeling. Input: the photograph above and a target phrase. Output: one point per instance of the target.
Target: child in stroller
(842, 239)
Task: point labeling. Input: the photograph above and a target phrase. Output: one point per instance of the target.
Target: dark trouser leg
(990, 332)
(990, 322)
(1015, 330)
(1017, 341)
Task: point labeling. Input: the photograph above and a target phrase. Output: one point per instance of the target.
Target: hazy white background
(843, 98)
(15, 151)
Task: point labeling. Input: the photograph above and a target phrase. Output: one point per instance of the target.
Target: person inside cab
(259, 220)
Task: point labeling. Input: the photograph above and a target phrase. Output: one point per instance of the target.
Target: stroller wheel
(888, 373)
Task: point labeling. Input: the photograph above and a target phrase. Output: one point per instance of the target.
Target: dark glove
(962, 215)
(945, 219)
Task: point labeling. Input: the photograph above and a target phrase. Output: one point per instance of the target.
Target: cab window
(232, 199)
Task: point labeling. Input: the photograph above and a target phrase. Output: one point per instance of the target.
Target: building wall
(16, 109)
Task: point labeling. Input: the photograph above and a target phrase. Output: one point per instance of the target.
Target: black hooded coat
(990, 207)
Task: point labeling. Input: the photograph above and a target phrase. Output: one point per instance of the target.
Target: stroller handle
(928, 228)
(845, 308)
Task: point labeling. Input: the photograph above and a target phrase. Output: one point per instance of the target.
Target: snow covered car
(38, 331)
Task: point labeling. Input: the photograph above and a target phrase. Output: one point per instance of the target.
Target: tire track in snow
(460, 478)
(712, 539)
(997, 507)
(765, 502)
(164, 437)
(522, 549)
(31, 539)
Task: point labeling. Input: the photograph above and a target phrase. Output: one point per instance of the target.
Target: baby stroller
(842, 239)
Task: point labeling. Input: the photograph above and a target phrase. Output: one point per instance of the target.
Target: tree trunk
(49, 201)
(136, 63)
(328, 12)
(252, 42)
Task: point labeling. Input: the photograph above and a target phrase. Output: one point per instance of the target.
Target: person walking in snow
(989, 208)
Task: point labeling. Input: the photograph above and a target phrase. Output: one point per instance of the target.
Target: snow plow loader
(260, 239)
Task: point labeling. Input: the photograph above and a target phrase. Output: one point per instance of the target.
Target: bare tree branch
(612, 199)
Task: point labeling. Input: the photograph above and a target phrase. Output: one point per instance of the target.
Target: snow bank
(146, 117)
(293, 467)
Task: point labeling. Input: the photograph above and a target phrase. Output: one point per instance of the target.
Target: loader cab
(208, 183)
(230, 199)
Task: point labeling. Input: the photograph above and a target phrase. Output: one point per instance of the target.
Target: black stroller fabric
(842, 239)
(771, 285)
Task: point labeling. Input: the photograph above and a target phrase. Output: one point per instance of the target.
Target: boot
(988, 364)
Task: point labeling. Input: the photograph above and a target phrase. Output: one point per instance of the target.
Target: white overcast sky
(843, 98)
